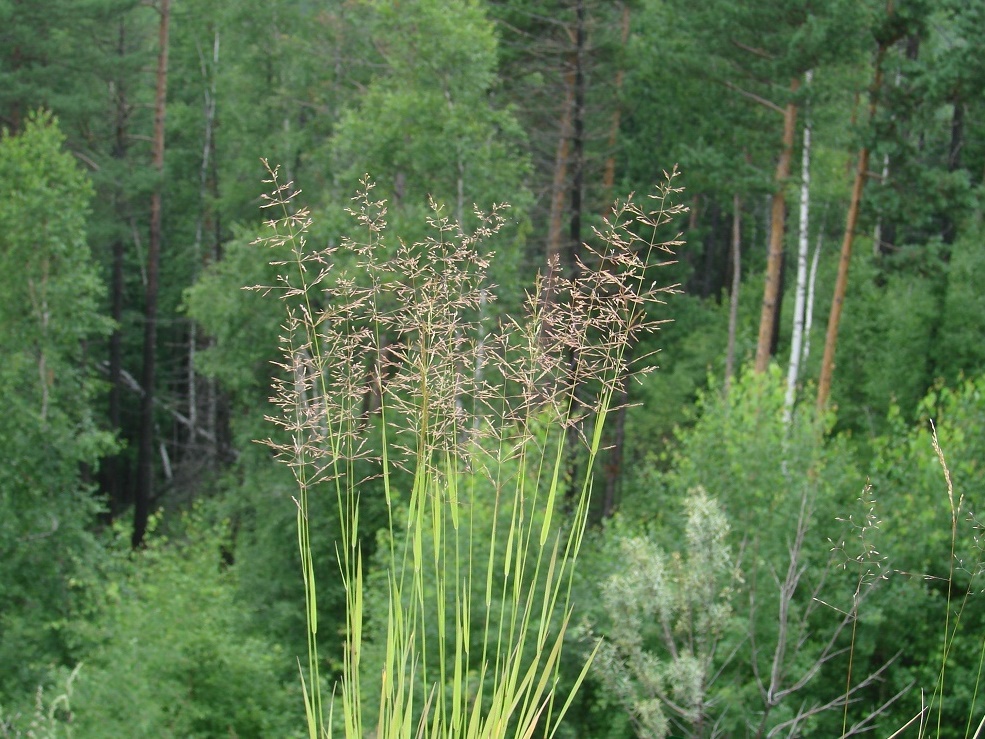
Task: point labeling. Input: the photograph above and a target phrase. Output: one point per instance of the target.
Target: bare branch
(864, 724)
(761, 53)
(131, 382)
(795, 570)
(88, 161)
(841, 700)
(754, 97)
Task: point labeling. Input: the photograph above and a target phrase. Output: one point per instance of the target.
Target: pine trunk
(774, 266)
(844, 261)
(577, 138)
(115, 468)
(554, 229)
(617, 444)
(569, 261)
(609, 173)
(145, 451)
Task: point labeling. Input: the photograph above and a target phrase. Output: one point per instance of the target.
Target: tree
(563, 65)
(683, 602)
(761, 52)
(49, 313)
(145, 453)
(693, 633)
(427, 123)
(803, 238)
(861, 175)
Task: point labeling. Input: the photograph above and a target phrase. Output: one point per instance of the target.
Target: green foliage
(48, 310)
(427, 126)
(933, 540)
(896, 552)
(887, 342)
(176, 654)
(436, 99)
(963, 320)
(917, 519)
(758, 464)
(51, 716)
(781, 484)
(244, 327)
(681, 602)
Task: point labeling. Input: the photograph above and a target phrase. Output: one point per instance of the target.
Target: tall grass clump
(967, 566)
(484, 437)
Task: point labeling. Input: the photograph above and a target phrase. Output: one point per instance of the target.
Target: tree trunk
(796, 340)
(145, 452)
(733, 310)
(811, 284)
(614, 466)
(578, 137)
(708, 279)
(774, 265)
(613, 470)
(115, 467)
(203, 257)
(553, 251)
(609, 173)
(570, 261)
(841, 282)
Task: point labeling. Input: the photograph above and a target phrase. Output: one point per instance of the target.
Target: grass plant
(930, 720)
(929, 725)
(390, 358)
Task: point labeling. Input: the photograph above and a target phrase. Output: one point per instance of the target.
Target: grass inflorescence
(391, 359)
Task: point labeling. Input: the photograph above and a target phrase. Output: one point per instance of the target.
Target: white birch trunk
(811, 282)
(796, 341)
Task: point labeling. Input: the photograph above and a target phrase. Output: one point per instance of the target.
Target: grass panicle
(389, 359)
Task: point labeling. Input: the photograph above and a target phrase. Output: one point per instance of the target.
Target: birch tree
(796, 342)
(761, 52)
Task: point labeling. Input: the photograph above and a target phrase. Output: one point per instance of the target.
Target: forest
(486, 368)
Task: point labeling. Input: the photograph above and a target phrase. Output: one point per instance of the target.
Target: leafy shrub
(176, 655)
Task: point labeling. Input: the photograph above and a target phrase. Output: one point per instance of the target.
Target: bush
(175, 652)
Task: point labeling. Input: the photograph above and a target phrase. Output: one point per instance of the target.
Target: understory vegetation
(638, 389)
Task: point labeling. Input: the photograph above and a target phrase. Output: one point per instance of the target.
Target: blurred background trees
(556, 107)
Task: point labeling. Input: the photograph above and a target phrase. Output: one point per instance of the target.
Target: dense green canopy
(749, 559)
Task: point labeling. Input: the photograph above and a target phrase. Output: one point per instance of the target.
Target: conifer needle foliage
(393, 362)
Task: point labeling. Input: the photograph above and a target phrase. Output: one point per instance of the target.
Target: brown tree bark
(145, 451)
(844, 261)
(609, 173)
(774, 263)
(578, 137)
(614, 465)
(569, 261)
(554, 229)
(617, 445)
